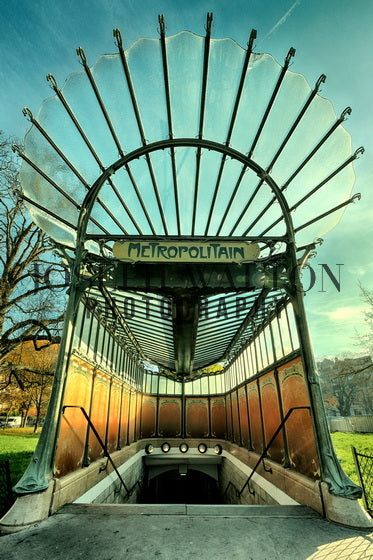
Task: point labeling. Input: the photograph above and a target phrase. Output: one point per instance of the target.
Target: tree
(366, 340)
(30, 308)
(347, 384)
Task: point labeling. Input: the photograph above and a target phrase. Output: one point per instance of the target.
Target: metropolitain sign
(187, 251)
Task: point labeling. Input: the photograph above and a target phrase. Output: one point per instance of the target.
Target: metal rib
(279, 151)
(67, 108)
(52, 214)
(162, 29)
(352, 199)
(81, 54)
(202, 115)
(232, 123)
(315, 189)
(290, 54)
(304, 162)
(122, 55)
(28, 113)
(57, 188)
(333, 174)
(339, 121)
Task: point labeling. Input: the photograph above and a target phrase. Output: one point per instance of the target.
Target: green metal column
(40, 470)
(331, 471)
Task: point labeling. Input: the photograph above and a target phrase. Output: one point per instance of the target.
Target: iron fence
(6, 492)
(364, 468)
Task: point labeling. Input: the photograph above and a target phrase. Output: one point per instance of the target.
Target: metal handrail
(264, 453)
(235, 488)
(105, 449)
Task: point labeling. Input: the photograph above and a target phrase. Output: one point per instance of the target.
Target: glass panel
(276, 338)
(242, 367)
(293, 327)
(145, 63)
(106, 348)
(267, 335)
(285, 332)
(170, 387)
(220, 386)
(258, 353)
(162, 385)
(178, 388)
(83, 343)
(204, 385)
(292, 94)
(185, 82)
(225, 65)
(212, 383)
(263, 349)
(83, 103)
(245, 365)
(261, 79)
(237, 369)
(155, 384)
(147, 382)
(252, 358)
(196, 387)
(108, 71)
(188, 388)
(99, 341)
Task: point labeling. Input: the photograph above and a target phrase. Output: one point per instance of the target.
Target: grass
(342, 444)
(17, 445)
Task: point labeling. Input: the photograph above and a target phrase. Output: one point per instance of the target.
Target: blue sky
(332, 37)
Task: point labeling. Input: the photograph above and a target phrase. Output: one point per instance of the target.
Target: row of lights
(183, 448)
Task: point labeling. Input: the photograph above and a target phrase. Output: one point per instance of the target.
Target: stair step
(192, 510)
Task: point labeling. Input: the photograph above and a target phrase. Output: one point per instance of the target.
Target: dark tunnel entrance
(176, 487)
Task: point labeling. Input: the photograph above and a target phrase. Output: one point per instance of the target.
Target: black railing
(264, 454)
(129, 491)
(364, 468)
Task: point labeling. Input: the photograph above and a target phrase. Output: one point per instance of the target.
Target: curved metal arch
(93, 193)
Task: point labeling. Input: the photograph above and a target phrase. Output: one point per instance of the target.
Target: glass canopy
(186, 137)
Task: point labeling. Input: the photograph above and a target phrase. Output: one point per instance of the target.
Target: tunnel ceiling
(186, 139)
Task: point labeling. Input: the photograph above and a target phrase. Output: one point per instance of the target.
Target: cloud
(283, 18)
(346, 314)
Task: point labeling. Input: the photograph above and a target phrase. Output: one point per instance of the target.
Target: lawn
(342, 444)
(16, 445)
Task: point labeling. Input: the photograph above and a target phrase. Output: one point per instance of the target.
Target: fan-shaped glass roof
(186, 137)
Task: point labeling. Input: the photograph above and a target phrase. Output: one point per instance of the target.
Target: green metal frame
(39, 472)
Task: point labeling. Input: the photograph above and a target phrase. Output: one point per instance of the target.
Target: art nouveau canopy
(187, 139)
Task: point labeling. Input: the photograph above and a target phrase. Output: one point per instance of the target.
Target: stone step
(191, 510)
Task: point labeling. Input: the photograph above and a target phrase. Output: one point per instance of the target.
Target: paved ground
(115, 532)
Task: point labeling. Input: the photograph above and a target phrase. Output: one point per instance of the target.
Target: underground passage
(175, 487)
(186, 181)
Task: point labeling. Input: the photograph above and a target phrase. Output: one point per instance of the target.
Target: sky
(333, 37)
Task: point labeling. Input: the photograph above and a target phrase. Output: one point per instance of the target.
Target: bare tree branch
(30, 306)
